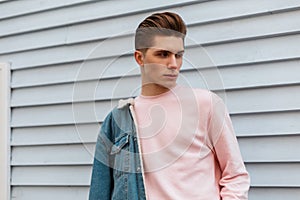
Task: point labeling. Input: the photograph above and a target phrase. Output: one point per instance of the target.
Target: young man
(171, 142)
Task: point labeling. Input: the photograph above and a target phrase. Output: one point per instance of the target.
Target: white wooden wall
(4, 130)
(59, 49)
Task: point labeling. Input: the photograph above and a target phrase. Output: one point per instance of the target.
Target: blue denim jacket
(117, 169)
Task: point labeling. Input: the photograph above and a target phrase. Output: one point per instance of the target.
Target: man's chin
(169, 85)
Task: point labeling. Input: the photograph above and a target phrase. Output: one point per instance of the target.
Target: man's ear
(139, 57)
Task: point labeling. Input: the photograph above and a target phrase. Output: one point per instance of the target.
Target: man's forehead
(168, 43)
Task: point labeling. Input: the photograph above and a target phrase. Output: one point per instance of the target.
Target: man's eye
(163, 54)
(179, 55)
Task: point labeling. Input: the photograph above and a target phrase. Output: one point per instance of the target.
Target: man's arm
(234, 180)
(101, 181)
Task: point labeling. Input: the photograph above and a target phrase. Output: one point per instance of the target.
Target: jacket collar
(125, 102)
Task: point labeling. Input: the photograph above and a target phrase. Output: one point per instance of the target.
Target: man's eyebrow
(180, 52)
(164, 50)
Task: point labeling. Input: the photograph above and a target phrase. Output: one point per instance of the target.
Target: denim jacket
(117, 170)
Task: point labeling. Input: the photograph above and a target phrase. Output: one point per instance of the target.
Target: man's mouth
(171, 75)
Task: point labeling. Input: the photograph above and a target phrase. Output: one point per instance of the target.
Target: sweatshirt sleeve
(235, 181)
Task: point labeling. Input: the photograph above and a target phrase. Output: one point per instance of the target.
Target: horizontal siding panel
(243, 76)
(287, 174)
(274, 174)
(262, 149)
(253, 51)
(232, 29)
(80, 154)
(64, 134)
(285, 97)
(33, 40)
(274, 123)
(51, 176)
(237, 9)
(49, 193)
(10, 9)
(82, 91)
(77, 71)
(265, 123)
(261, 74)
(88, 112)
(254, 149)
(252, 75)
(49, 74)
(85, 12)
(274, 193)
(71, 53)
(252, 27)
(264, 99)
(73, 33)
(226, 54)
(99, 10)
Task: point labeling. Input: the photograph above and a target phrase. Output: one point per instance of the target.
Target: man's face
(161, 63)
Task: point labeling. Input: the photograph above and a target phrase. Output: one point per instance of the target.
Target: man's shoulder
(119, 118)
(201, 95)
(204, 93)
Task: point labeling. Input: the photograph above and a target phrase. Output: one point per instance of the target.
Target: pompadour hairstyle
(161, 24)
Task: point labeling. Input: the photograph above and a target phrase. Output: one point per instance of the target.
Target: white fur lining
(123, 102)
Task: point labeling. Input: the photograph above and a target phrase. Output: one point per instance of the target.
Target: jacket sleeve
(101, 180)
(234, 180)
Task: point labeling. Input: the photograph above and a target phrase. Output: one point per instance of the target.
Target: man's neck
(153, 90)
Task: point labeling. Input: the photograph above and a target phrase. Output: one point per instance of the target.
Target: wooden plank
(209, 32)
(50, 193)
(89, 112)
(224, 54)
(10, 9)
(258, 74)
(269, 49)
(64, 114)
(287, 174)
(266, 123)
(51, 176)
(241, 29)
(263, 148)
(107, 9)
(285, 97)
(242, 76)
(79, 154)
(85, 12)
(76, 92)
(263, 99)
(64, 134)
(265, 193)
(5, 154)
(274, 174)
(261, 74)
(114, 47)
(254, 149)
(237, 9)
(77, 71)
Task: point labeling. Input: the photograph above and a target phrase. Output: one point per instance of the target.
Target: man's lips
(171, 75)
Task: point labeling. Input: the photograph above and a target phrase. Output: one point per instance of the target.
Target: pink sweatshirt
(189, 148)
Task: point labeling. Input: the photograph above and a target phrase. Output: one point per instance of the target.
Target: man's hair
(158, 24)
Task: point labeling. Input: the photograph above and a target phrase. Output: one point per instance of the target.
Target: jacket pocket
(119, 144)
(121, 155)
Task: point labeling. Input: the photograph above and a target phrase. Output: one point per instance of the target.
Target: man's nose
(172, 62)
